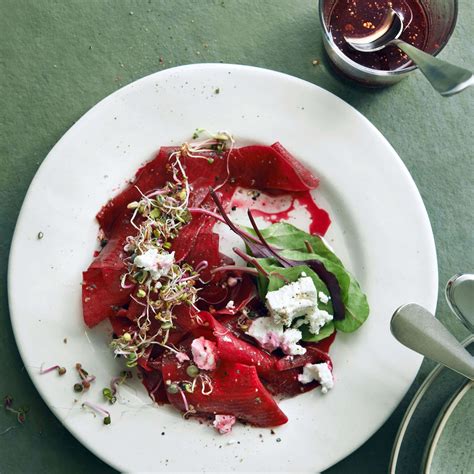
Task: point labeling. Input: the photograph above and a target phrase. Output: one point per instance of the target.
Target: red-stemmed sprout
(99, 410)
(60, 370)
(86, 379)
(110, 393)
(20, 412)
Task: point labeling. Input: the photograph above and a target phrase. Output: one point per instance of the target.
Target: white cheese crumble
(272, 336)
(230, 305)
(320, 373)
(204, 353)
(323, 297)
(289, 342)
(292, 301)
(224, 423)
(315, 320)
(158, 264)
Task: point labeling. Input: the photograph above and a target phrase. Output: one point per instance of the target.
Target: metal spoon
(460, 297)
(446, 78)
(416, 328)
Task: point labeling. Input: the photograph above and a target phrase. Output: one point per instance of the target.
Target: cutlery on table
(416, 328)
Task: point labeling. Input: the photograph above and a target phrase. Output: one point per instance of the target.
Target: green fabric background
(58, 58)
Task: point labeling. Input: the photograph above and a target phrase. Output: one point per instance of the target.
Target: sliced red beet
(205, 248)
(236, 390)
(120, 325)
(102, 290)
(316, 352)
(152, 175)
(286, 383)
(313, 355)
(135, 308)
(264, 167)
(285, 380)
(101, 295)
(304, 174)
(153, 382)
(241, 294)
(232, 349)
(184, 318)
(203, 173)
(189, 235)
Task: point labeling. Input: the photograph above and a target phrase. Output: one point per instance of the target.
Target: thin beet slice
(189, 235)
(155, 386)
(236, 390)
(152, 175)
(102, 290)
(101, 295)
(304, 174)
(205, 249)
(240, 295)
(263, 167)
(286, 383)
(232, 349)
(120, 324)
(313, 355)
(136, 308)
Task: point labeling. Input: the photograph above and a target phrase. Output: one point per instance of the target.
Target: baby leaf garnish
(262, 249)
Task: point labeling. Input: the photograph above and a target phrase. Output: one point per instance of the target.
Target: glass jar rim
(378, 72)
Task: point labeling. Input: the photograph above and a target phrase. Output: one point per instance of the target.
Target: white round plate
(380, 230)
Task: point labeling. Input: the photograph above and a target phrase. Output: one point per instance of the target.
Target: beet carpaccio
(217, 335)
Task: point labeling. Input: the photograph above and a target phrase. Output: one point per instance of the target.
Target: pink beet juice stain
(359, 18)
(319, 218)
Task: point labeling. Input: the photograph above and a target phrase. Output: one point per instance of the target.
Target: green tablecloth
(58, 58)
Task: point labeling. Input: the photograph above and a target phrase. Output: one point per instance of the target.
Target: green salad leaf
(324, 332)
(292, 243)
(285, 236)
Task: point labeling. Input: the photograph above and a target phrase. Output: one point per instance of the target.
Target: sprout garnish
(101, 411)
(60, 370)
(86, 379)
(20, 413)
(160, 282)
(110, 393)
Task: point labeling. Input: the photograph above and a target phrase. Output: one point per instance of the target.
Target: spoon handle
(446, 78)
(416, 328)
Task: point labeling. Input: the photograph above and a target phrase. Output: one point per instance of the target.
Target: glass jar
(441, 18)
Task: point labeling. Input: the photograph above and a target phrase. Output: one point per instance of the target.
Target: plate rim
(123, 90)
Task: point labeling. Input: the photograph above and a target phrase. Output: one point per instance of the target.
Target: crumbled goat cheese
(316, 320)
(230, 305)
(204, 353)
(182, 356)
(289, 342)
(266, 332)
(158, 264)
(272, 336)
(224, 423)
(323, 297)
(292, 301)
(319, 372)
